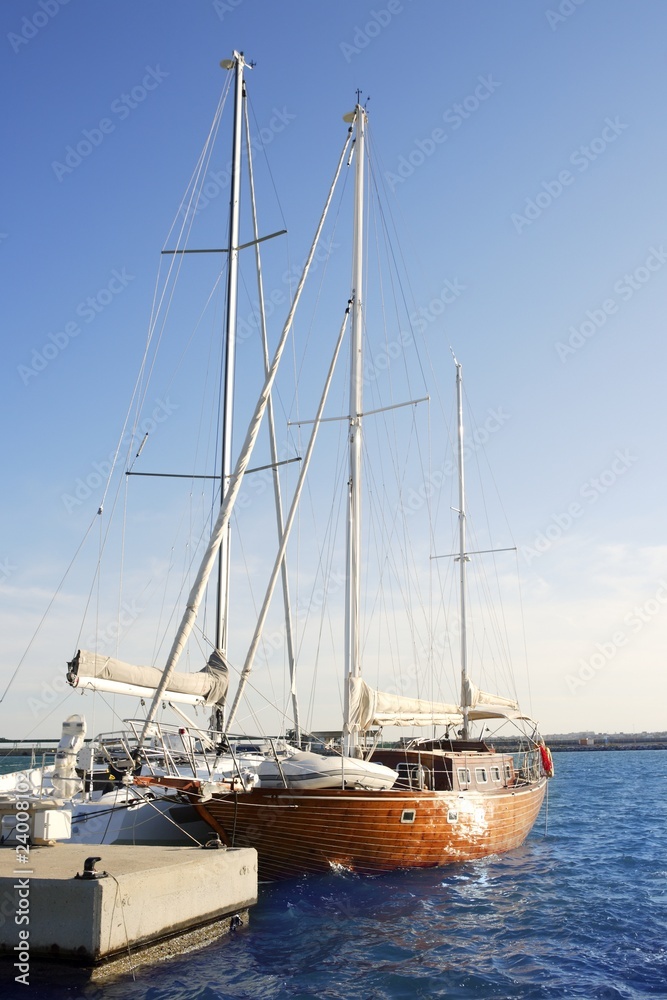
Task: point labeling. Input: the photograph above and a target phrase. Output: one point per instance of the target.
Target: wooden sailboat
(450, 799)
(368, 810)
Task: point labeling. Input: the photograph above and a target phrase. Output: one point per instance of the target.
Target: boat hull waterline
(303, 832)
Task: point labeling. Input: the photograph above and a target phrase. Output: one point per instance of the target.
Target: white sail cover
(484, 705)
(369, 707)
(103, 673)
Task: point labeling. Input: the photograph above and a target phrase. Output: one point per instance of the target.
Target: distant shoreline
(557, 744)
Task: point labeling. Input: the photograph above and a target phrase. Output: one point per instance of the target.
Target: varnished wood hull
(308, 832)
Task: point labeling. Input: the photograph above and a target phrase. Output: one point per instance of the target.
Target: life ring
(547, 760)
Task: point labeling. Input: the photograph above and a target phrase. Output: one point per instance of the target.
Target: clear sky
(524, 147)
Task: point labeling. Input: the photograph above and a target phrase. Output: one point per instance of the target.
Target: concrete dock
(148, 904)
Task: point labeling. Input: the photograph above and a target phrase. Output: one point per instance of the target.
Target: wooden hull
(307, 832)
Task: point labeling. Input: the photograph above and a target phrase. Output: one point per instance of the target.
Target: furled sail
(369, 707)
(103, 673)
(484, 705)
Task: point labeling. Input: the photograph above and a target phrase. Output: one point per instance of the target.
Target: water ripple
(578, 912)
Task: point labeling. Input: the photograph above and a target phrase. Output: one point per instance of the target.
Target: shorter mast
(462, 558)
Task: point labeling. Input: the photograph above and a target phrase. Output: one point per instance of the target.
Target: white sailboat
(107, 790)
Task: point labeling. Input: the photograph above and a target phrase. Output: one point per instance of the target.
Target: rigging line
(206, 566)
(391, 244)
(262, 147)
(396, 285)
(43, 718)
(323, 571)
(431, 536)
(196, 174)
(326, 550)
(318, 296)
(287, 525)
(393, 525)
(122, 560)
(174, 268)
(193, 188)
(249, 108)
(48, 608)
(194, 549)
(194, 330)
(287, 610)
(187, 565)
(523, 633)
(102, 548)
(502, 634)
(157, 300)
(253, 599)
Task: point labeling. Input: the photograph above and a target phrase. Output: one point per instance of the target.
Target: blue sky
(524, 149)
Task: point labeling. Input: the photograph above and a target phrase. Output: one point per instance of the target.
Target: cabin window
(480, 775)
(495, 774)
(508, 771)
(408, 815)
(464, 776)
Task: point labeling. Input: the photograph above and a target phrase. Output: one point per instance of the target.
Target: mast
(353, 589)
(274, 453)
(236, 479)
(237, 63)
(462, 558)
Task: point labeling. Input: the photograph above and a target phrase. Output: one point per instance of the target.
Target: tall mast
(237, 63)
(462, 557)
(353, 589)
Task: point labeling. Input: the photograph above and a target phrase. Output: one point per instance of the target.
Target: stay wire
(48, 608)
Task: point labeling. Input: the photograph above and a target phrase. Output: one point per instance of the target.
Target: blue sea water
(579, 911)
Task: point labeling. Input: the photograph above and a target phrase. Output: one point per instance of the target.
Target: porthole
(408, 815)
